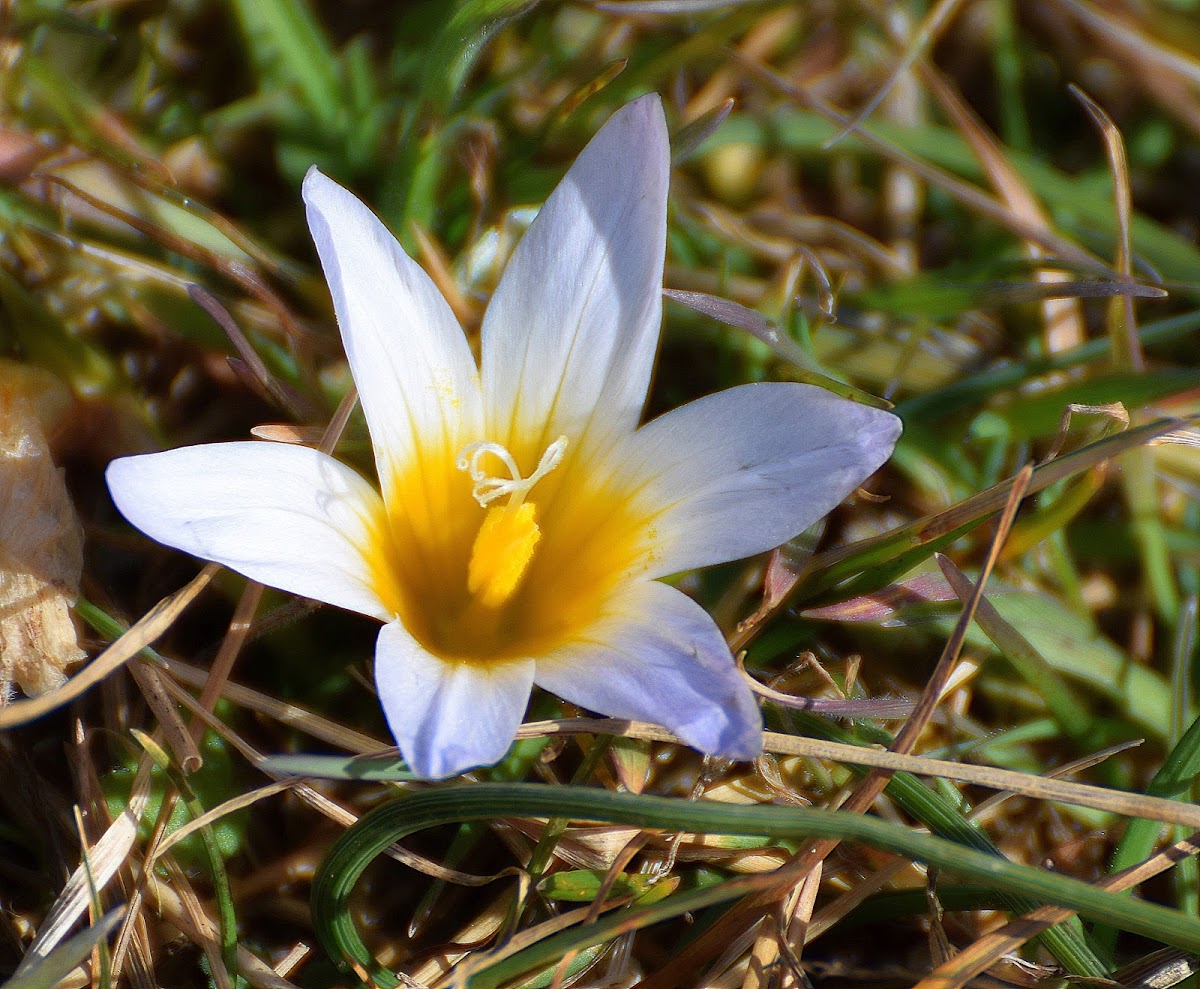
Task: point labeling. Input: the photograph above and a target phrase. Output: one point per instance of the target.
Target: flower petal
(655, 655)
(744, 470)
(416, 377)
(570, 334)
(286, 516)
(448, 717)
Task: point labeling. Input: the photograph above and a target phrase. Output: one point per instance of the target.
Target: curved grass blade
(361, 844)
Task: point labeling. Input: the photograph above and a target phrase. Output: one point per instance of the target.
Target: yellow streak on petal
(502, 553)
(487, 586)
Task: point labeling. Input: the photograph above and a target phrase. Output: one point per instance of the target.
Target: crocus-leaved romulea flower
(523, 517)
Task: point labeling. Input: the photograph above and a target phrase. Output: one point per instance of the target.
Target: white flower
(524, 517)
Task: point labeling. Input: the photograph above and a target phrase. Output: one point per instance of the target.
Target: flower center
(505, 543)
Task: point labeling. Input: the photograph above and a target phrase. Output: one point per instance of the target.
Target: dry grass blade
(869, 788)
(1126, 347)
(100, 864)
(479, 930)
(231, 646)
(234, 270)
(182, 745)
(619, 863)
(753, 322)
(291, 715)
(925, 36)
(984, 808)
(589, 89)
(141, 634)
(832, 913)
(235, 637)
(286, 432)
(1160, 969)
(978, 957)
(337, 425)
(287, 398)
(209, 938)
(321, 803)
(1035, 787)
(906, 738)
(212, 816)
(969, 195)
(666, 6)
(795, 919)
(1150, 51)
(1063, 317)
(199, 927)
(434, 260)
(1169, 75)
(882, 708)
(529, 936)
(1115, 412)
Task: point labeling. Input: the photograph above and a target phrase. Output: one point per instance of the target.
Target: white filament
(488, 487)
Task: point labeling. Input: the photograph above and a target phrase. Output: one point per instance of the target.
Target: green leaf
(1072, 646)
(583, 885)
(461, 39)
(291, 52)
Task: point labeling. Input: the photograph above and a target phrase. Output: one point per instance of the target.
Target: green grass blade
(290, 51)
(226, 915)
(872, 563)
(367, 839)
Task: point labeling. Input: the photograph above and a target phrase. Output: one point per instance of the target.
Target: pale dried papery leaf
(41, 555)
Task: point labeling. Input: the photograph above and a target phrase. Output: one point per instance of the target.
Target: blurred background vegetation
(982, 211)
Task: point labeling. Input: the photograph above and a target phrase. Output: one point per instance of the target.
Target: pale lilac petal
(286, 516)
(744, 470)
(416, 377)
(448, 717)
(655, 655)
(570, 335)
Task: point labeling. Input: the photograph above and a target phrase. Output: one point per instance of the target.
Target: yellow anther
(506, 540)
(502, 552)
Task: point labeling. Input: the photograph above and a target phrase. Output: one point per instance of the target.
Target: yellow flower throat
(508, 537)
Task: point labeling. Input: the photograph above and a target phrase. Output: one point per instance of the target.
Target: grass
(912, 208)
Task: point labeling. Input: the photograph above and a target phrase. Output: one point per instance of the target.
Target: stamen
(505, 543)
(488, 488)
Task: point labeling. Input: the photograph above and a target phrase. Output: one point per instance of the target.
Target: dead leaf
(41, 555)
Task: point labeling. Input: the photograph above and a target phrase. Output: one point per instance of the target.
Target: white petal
(570, 335)
(656, 656)
(744, 470)
(286, 516)
(416, 377)
(448, 717)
